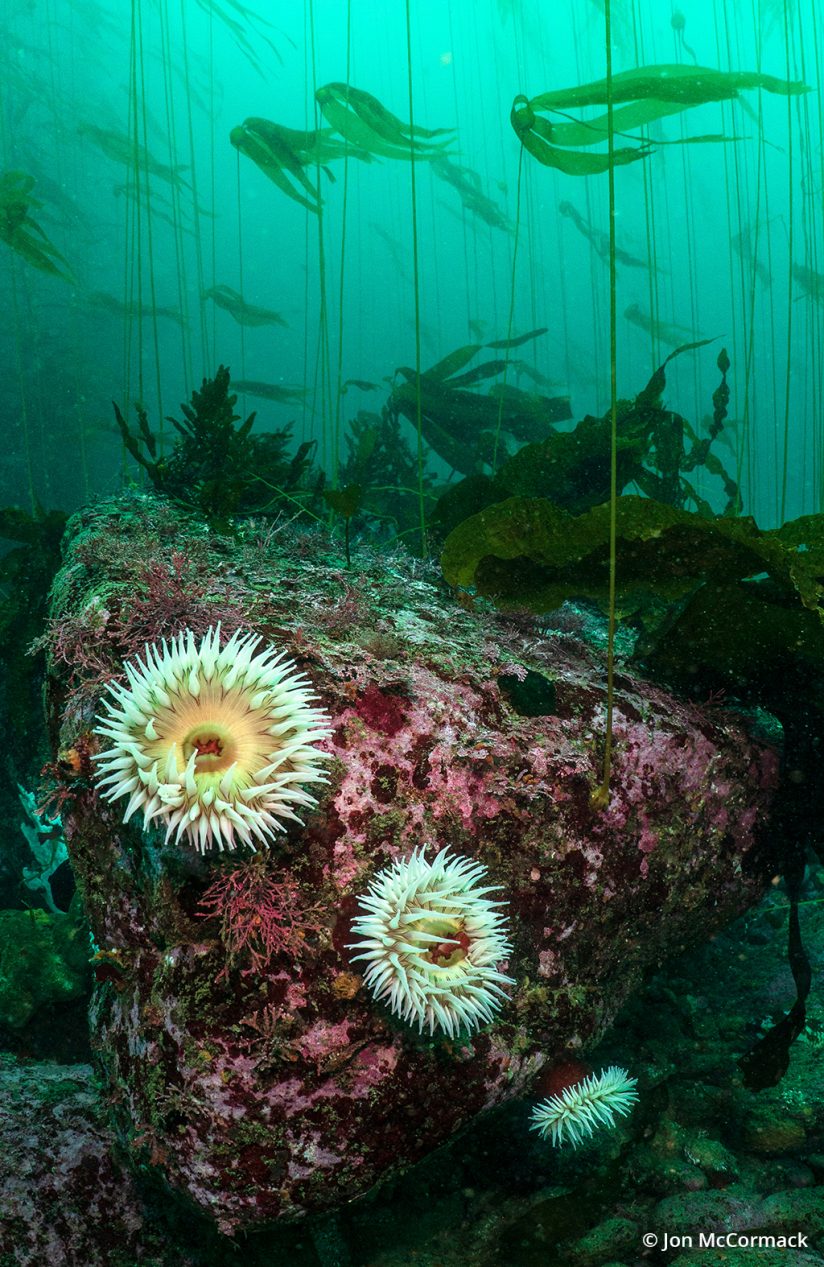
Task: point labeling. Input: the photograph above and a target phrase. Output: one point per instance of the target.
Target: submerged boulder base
(261, 1089)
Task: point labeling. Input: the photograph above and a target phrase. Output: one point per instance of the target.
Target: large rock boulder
(265, 1085)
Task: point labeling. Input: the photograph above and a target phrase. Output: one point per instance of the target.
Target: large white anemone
(432, 940)
(215, 742)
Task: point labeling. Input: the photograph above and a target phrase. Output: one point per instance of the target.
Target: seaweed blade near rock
(216, 468)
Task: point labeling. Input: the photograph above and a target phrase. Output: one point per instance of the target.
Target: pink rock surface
(261, 1094)
(64, 1200)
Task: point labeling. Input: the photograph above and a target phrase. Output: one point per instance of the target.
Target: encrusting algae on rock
(258, 1073)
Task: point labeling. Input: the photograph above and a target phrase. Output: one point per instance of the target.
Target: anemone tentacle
(576, 1111)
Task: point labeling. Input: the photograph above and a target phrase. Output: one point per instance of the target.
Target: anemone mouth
(215, 741)
(454, 943)
(213, 745)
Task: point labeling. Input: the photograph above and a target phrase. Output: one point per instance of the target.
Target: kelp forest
(523, 302)
(427, 296)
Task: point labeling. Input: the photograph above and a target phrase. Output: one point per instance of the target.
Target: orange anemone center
(213, 747)
(455, 946)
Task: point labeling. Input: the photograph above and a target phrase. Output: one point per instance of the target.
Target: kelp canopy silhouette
(19, 229)
(360, 127)
(461, 425)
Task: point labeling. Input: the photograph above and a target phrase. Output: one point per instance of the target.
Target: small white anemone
(576, 1111)
(432, 940)
(215, 742)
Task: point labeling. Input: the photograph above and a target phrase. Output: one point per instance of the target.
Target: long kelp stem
(511, 312)
(139, 175)
(342, 288)
(418, 409)
(790, 234)
(323, 365)
(204, 334)
(241, 280)
(601, 795)
(144, 129)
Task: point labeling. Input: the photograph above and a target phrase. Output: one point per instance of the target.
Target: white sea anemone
(215, 742)
(432, 941)
(576, 1111)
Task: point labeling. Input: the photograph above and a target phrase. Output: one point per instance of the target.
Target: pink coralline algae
(249, 1063)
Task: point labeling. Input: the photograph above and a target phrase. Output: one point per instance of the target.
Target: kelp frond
(19, 229)
(281, 160)
(462, 425)
(284, 155)
(367, 124)
(688, 85)
(245, 314)
(641, 97)
(124, 149)
(235, 25)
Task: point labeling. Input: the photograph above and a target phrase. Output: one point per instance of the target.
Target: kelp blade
(368, 125)
(692, 85)
(650, 93)
(528, 551)
(21, 232)
(266, 144)
(534, 134)
(268, 391)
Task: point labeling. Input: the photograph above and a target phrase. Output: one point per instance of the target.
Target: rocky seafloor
(454, 726)
(699, 1153)
(268, 1088)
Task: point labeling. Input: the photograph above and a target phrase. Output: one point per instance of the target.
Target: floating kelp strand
(266, 145)
(127, 150)
(283, 155)
(517, 340)
(810, 281)
(117, 307)
(238, 33)
(245, 314)
(535, 134)
(269, 391)
(649, 93)
(127, 191)
(362, 384)
(20, 231)
(742, 244)
(159, 213)
(468, 185)
(598, 239)
(461, 425)
(368, 125)
(670, 334)
(667, 82)
(678, 22)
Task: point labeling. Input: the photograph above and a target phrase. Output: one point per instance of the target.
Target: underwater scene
(411, 633)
